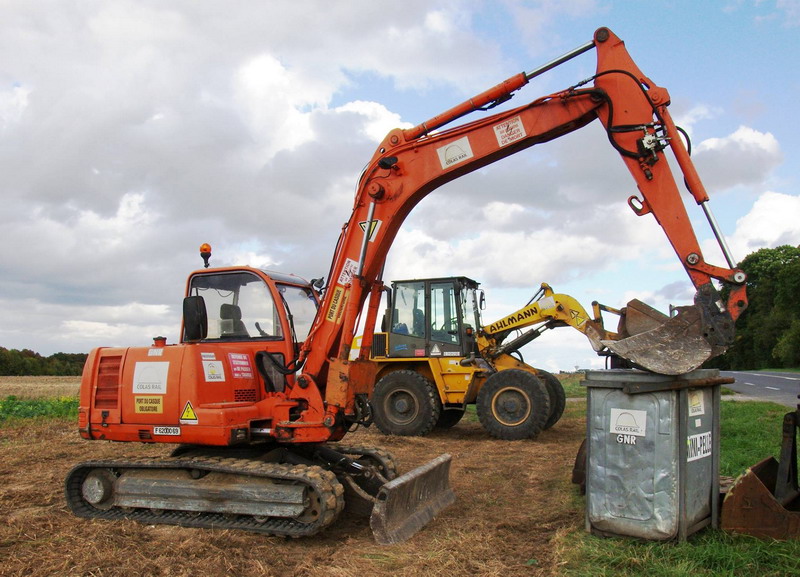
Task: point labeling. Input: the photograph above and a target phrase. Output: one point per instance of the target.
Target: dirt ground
(514, 504)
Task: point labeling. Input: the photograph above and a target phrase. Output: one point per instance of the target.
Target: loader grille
(106, 395)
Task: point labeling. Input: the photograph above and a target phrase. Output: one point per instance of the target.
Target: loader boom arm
(549, 310)
(411, 163)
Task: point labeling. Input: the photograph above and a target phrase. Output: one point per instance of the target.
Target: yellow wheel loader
(435, 357)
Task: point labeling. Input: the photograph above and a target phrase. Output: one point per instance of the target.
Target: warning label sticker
(349, 270)
(509, 131)
(148, 404)
(240, 365)
(336, 301)
(188, 416)
(374, 226)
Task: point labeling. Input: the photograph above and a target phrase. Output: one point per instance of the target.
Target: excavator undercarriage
(268, 489)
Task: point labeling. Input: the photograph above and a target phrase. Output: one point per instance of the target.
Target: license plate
(173, 431)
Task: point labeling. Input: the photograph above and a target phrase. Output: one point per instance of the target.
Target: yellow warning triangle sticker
(576, 316)
(188, 413)
(373, 226)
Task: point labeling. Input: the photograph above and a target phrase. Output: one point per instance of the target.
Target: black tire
(513, 404)
(558, 398)
(405, 403)
(449, 418)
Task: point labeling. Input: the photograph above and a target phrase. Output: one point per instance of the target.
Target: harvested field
(514, 502)
(38, 387)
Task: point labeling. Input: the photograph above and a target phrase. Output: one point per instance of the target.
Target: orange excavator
(261, 388)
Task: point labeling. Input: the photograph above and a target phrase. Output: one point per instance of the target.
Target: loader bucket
(406, 504)
(751, 507)
(662, 344)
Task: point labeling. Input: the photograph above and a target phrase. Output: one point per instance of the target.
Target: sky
(133, 131)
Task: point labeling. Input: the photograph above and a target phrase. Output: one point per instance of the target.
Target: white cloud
(745, 157)
(13, 103)
(774, 220)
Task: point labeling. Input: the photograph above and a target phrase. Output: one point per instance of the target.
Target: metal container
(652, 467)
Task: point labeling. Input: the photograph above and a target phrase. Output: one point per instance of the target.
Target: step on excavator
(258, 405)
(435, 356)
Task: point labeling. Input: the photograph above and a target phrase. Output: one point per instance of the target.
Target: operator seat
(231, 321)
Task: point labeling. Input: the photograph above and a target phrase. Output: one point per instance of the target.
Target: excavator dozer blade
(406, 504)
(666, 345)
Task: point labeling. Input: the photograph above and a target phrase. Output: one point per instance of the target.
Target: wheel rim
(510, 406)
(401, 407)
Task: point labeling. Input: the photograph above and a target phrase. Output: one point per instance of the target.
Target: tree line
(768, 332)
(14, 363)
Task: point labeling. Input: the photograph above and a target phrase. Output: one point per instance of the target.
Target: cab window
(239, 306)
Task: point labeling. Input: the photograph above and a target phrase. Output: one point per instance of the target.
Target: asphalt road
(781, 388)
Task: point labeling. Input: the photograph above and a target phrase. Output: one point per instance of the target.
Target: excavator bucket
(662, 344)
(751, 506)
(765, 501)
(406, 504)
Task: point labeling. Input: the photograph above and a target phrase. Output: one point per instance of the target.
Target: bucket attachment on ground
(407, 503)
(765, 501)
(662, 344)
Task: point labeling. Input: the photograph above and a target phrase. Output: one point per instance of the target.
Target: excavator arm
(411, 163)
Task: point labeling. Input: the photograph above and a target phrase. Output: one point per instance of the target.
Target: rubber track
(323, 482)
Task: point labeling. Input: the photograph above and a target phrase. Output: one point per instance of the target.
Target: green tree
(26, 362)
(768, 332)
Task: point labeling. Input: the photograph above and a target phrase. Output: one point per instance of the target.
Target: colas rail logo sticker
(628, 424)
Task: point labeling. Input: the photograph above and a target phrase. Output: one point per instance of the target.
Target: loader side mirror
(195, 319)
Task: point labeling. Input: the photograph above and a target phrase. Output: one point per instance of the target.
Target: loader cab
(246, 304)
(432, 317)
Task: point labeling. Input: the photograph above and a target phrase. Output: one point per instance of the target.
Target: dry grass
(515, 502)
(38, 387)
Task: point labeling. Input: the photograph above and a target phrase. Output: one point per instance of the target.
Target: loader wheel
(405, 403)
(513, 404)
(449, 418)
(558, 398)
